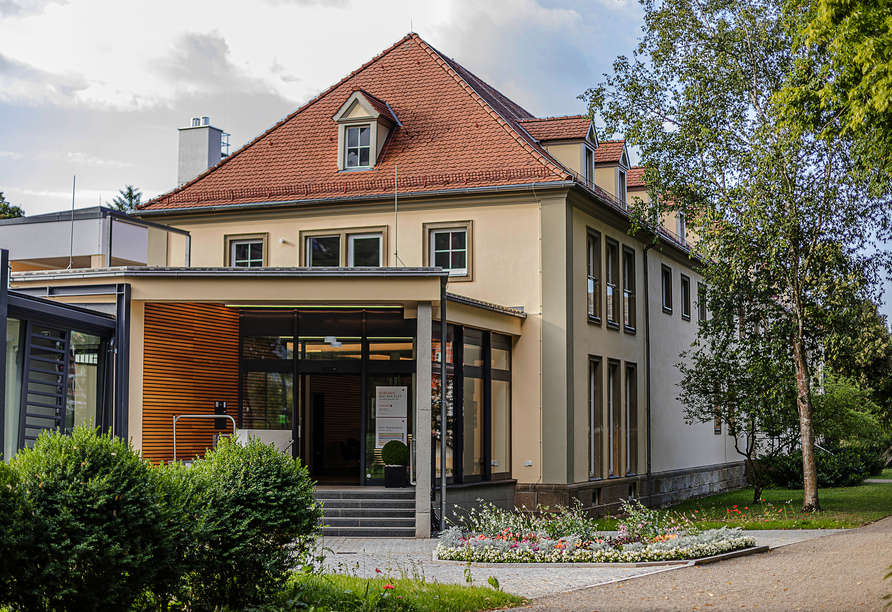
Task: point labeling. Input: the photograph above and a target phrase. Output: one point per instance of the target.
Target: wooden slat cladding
(191, 361)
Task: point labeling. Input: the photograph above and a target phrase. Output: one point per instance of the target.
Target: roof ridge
(282, 121)
(541, 157)
(555, 118)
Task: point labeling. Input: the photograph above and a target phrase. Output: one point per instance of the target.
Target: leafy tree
(8, 211)
(785, 223)
(127, 200)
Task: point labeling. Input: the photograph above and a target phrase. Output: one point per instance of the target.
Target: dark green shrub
(254, 508)
(838, 466)
(100, 535)
(395, 453)
(15, 540)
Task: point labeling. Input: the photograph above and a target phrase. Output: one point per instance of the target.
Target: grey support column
(422, 440)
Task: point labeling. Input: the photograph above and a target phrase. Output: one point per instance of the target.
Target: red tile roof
(380, 106)
(635, 177)
(610, 151)
(456, 131)
(574, 127)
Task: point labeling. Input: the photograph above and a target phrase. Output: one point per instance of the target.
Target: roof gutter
(382, 196)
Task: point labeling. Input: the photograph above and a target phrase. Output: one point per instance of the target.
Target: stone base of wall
(600, 497)
(466, 497)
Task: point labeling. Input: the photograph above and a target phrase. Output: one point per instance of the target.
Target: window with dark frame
(595, 417)
(593, 290)
(246, 253)
(631, 419)
(667, 289)
(324, 251)
(685, 298)
(614, 419)
(629, 289)
(717, 427)
(612, 283)
(701, 302)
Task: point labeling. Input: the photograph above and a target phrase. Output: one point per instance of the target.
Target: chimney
(200, 148)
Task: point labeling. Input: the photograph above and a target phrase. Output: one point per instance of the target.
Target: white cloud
(13, 155)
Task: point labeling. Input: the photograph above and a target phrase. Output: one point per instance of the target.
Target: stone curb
(641, 564)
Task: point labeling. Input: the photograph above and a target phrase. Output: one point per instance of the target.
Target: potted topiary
(395, 456)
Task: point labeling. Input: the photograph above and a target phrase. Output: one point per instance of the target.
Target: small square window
(364, 250)
(358, 146)
(245, 250)
(449, 250)
(667, 289)
(324, 251)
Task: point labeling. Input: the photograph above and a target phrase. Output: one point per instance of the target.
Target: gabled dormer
(364, 124)
(571, 140)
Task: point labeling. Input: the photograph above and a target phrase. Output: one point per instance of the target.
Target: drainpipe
(443, 408)
(650, 491)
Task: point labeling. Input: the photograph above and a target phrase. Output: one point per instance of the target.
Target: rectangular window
(717, 427)
(612, 282)
(246, 253)
(681, 227)
(595, 417)
(629, 289)
(589, 166)
(364, 250)
(685, 298)
(358, 147)
(667, 289)
(621, 186)
(449, 250)
(324, 251)
(701, 302)
(631, 419)
(594, 276)
(614, 419)
(500, 409)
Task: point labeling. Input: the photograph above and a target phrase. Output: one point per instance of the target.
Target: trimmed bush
(395, 453)
(99, 532)
(15, 562)
(842, 466)
(254, 509)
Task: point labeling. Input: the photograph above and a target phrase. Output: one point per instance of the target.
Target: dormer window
(358, 146)
(364, 125)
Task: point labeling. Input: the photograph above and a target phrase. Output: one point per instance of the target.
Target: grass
(886, 475)
(344, 592)
(841, 508)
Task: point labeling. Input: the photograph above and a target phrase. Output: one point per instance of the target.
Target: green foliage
(395, 453)
(845, 412)
(14, 540)
(8, 211)
(642, 524)
(838, 466)
(127, 200)
(99, 532)
(255, 508)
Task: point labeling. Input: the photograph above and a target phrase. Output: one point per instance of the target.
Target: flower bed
(567, 536)
(530, 548)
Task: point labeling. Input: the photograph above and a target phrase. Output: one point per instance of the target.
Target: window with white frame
(621, 185)
(364, 250)
(449, 250)
(324, 251)
(358, 148)
(352, 248)
(681, 226)
(589, 165)
(246, 251)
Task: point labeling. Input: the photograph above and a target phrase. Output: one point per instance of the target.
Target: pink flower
(389, 586)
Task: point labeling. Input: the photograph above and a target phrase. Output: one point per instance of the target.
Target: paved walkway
(414, 559)
(843, 571)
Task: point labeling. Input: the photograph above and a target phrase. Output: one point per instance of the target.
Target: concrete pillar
(422, 441)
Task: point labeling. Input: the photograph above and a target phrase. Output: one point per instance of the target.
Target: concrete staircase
(367, 512)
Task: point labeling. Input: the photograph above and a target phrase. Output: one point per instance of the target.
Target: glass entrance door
(331, 427)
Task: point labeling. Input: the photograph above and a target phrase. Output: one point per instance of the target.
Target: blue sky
(97, 88)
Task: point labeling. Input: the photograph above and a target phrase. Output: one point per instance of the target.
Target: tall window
(594, 276)
(629, 289)
(621, 186)
(474, 406)
(701, 302)
(685, 298)
(246, 253)
(614, 419)
(681, 227)
(500, 405)
(589, 166)
(449, 250)
(612, 280)
(595, 417)
(667, 289)
(631, 419)
(358, 146)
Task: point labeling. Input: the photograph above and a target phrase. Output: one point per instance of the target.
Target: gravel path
(843, 571)
(414, 559)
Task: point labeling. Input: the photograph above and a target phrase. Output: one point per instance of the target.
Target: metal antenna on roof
(71, 242)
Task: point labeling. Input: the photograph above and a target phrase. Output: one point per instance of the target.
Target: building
(325, 255)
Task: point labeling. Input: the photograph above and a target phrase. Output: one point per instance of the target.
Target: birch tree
(785, 220)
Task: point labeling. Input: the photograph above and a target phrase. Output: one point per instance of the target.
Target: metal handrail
(197, 416)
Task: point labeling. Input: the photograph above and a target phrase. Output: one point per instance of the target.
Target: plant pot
(394, 476)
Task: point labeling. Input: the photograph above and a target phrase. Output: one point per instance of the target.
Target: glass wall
(15, 358)
(84, 391)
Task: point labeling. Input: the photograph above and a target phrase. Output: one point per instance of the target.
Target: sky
(97, 88)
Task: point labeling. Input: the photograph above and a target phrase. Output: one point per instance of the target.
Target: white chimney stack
(200, 148)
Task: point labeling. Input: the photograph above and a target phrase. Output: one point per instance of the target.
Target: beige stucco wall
(605, 178)
(570, 155)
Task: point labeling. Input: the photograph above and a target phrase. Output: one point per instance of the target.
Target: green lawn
(886, 475)
(342, 592)
(842, 507)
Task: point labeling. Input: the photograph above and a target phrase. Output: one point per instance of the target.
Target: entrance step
(367, 512)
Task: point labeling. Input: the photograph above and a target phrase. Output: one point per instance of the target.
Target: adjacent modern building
(309, 284)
